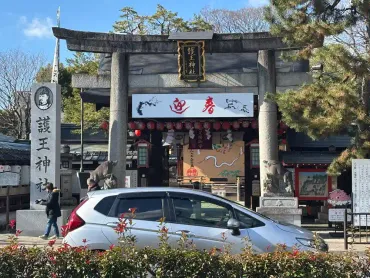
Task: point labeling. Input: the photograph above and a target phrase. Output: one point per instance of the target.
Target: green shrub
(185, 261)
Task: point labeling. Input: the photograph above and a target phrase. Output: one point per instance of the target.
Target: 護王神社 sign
(212, 105)
(191, 61)
(45, 138)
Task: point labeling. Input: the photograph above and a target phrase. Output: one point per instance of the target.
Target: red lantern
(236, 125)
(283, 141)
(160, 126)
(280, 132)
(245, 124)
(216, 126)
(131, 125)
(150, 125)
(178, 125)
(137, 132)
(207, 125)
(192, 172)
(254, 124)
(225, 125)
(283, 126)
(198, 125)
(140, 125)
(104, 125)
(169, 125)
(188, 125)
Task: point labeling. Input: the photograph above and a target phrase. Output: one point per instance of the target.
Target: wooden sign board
(191, 61)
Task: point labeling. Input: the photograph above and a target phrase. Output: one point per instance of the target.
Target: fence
(358, 233)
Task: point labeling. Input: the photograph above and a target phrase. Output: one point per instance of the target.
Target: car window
(150, 209)
(201, 212)
(105, 205)
(247, 221)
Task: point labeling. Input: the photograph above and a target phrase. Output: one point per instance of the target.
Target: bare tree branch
(235, 21)
(17, 74)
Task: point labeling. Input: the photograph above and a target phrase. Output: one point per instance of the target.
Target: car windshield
(243, 207)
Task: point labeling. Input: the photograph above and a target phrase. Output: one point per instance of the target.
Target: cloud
(37, 28)
(258, 3)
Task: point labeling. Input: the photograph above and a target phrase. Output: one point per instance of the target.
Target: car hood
(301, 232)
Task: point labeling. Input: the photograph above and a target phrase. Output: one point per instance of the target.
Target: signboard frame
(191, 61)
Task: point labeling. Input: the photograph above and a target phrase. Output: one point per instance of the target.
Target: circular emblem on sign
(43, 98)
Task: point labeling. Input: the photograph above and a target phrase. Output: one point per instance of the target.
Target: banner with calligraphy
(202, 105)
(191, 61)
(200, 141)
(45, 139)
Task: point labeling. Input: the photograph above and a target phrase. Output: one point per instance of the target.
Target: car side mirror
(234, 225)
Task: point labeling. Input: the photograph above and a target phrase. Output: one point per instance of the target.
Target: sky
(26, 24)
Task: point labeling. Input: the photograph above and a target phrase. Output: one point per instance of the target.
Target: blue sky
(26, 24)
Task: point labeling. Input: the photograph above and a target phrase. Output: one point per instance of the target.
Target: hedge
(126, 260)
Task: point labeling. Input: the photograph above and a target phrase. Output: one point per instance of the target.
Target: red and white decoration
(236, 125)
(140, 125)
(225, 125)
(169, 125)
(132, 125)
(150, 125)
(178, 125)
(188, 125)
(160, 126)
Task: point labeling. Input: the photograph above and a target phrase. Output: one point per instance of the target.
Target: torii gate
(122, 46)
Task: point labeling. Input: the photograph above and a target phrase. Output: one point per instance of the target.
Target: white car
(208, 220)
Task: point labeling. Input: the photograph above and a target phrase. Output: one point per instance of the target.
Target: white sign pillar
(45, 139)
(361, 190)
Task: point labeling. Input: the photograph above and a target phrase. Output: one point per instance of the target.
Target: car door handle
(112, 224)
(187, 233)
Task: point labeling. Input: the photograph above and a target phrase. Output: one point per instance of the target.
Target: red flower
(122, 216)
(18, 232)
(52, 242)
(12, 223)
(88, 262)
(121, 227)
(53, 275)
(64, 230)
(164, 229)
(313, 258)
(295, 252)
(84, 241)
(111, 247)
(132, 210)
(52, 259)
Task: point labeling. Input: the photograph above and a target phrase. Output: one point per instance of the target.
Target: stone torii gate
(121, 47)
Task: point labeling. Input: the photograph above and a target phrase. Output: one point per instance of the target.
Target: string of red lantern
(236, 125)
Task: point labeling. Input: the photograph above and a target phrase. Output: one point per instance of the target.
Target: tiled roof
(301, 140)
(308, 157)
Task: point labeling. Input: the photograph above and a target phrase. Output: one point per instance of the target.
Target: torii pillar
(280, 205)
(118, 115)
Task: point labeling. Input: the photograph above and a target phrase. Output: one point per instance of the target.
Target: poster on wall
(361, 189)
(204, 105)
(312, 184)
(224, 161)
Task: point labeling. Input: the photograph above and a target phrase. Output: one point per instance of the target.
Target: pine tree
(337, 102)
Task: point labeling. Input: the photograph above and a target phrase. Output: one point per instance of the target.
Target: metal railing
(359, 230)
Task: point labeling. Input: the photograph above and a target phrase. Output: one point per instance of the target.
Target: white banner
(213, 105)
(361, 190)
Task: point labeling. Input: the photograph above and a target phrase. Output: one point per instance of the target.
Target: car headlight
(317, 243)
(306, 242)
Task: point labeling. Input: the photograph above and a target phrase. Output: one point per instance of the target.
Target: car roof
(110, 192)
